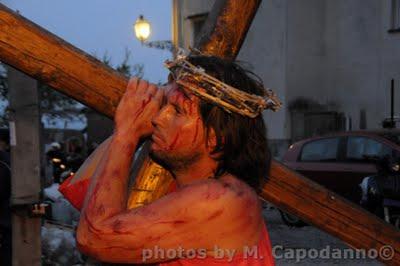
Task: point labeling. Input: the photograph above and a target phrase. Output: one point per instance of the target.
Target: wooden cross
(45, 57)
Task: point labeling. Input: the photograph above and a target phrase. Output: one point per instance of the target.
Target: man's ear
(212, 143)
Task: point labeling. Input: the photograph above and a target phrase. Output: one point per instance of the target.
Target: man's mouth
(156, 138)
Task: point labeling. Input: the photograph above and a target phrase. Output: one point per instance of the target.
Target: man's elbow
(83, 241)
(87, 241)
(90, 248)
(99, 249)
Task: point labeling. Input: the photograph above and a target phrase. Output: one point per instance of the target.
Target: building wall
(267, 55)
(363, 57)
(332, 56)
(182, 26)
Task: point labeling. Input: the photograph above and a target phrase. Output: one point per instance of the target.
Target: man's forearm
(108, 193)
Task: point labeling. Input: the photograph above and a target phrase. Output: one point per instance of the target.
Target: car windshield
(393, 137)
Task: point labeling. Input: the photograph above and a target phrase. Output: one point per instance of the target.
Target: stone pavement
(309, 242)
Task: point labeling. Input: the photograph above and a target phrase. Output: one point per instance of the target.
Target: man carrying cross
(206, 128)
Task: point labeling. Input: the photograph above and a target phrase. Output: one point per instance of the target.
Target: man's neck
(204, 168)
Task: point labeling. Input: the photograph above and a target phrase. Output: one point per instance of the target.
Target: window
(197, 26)
(320, 150)
(359, 147)
(197, 22)
(395, 16)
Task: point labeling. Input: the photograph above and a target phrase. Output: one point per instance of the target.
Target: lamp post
(142, 30)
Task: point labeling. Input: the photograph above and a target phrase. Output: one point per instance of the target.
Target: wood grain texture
(46, 57)
(226, 27)
(330, 212)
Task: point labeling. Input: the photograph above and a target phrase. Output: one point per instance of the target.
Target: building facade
(330, 62)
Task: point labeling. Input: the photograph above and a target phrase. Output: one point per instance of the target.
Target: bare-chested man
(217, 158)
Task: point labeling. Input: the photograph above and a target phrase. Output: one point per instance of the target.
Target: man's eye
(177, 109)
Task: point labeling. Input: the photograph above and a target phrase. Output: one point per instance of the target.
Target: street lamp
(142, 31)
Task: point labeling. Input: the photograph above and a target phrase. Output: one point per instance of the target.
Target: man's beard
(174, 162)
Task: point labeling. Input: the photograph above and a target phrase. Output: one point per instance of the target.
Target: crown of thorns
(212, 90)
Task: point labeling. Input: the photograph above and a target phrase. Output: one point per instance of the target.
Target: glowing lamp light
(142, 29)
(56, 160)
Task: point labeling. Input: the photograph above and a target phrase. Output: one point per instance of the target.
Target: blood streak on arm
(215, 214)
(111, 179)
(165, 223)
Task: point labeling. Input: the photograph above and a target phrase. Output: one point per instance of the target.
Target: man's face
(179, 138)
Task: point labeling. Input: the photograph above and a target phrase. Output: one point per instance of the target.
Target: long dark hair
(241, 141)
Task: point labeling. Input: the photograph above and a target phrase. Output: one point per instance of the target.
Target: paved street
(288, 240)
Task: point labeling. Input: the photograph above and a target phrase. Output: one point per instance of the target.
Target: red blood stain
(188, 106)
(215, 214)
(213, 195)
(153, 238)
(116, 173)
(146, 212)
(174, 142)
(117, 225)
(180, 98)
(246, 212)
(191, 108)
(145, 102)
(107, 187)
(196, 132)
(240, 193)
(174, 95)
(138, 112)
(226, 185)
(129, 148)
(177, 222)
(207, 194)
(96, 190)
(100, 210)
(174, 223)
(90, 226)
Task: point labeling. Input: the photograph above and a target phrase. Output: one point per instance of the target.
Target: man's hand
(140, 103)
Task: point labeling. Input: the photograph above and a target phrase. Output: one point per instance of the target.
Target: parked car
(340, 161)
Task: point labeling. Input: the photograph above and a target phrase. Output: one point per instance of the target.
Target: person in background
(74, 156)
(57, 158)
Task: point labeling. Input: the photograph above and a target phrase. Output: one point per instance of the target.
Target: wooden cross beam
(46, 57)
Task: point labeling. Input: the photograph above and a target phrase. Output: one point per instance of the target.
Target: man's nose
(155, 121)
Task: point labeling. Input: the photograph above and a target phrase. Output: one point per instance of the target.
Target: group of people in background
(62, 160)
(64, 163)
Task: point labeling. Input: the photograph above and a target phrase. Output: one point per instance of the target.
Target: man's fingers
(132, 84)
(142, 86)
(152, 89)
(159, 97)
